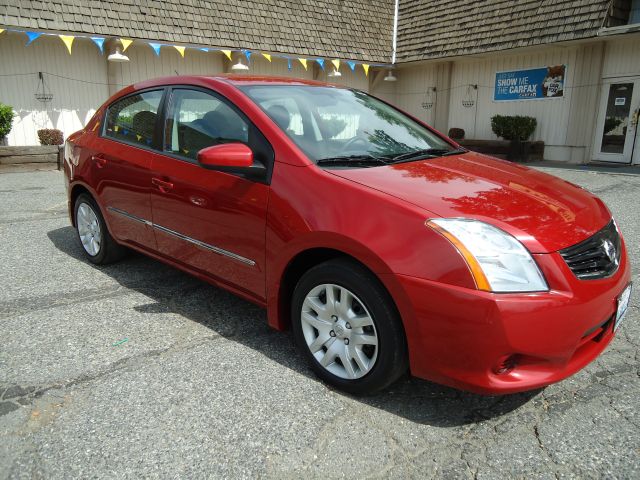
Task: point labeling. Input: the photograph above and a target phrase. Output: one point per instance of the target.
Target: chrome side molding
(206, 246)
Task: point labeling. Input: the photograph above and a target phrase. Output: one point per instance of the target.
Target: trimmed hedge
(6, 120)
(515, 127)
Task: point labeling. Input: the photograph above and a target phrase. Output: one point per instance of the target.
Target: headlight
(497, 261)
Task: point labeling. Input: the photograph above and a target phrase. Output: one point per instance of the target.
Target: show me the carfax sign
(531, 84)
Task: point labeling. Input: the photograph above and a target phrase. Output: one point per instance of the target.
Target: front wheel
(346, 325)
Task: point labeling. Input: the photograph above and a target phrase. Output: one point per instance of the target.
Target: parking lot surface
(138, 370)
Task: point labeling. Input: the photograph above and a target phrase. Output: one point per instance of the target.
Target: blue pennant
(156, 48)
(32, 36)
(99, 41)
(204, 49)
(352, 65)
(247, 54)
(289, 63)
(320, 62)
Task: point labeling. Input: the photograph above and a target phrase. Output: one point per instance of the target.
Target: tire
(97, 243)
(365, 348)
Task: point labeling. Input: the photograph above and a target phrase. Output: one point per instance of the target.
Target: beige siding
(74, 98)
(566, 125)
(622, 56)
(144, 65)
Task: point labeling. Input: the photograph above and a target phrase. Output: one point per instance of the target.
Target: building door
(617, 129)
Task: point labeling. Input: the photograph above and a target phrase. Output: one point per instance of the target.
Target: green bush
(6, 119)
(50, 136)
(515, 127)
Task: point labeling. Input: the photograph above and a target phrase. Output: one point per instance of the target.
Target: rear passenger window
(197, 120)
(133, 119)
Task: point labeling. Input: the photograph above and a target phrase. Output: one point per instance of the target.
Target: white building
(574, 65)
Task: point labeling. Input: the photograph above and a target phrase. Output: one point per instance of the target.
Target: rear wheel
(98, 245)
(346, 325)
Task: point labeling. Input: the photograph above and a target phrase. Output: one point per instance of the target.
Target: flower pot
(519, 151)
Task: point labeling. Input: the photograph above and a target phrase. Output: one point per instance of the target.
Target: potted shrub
(6, 122)
(50, 136)
(516, 129)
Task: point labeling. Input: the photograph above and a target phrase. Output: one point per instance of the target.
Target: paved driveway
(139, 370)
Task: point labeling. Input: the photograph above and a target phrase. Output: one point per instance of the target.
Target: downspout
(394, 41)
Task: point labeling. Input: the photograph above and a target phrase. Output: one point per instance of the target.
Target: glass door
(617, 128)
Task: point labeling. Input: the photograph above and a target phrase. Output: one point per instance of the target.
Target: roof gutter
(394, 41)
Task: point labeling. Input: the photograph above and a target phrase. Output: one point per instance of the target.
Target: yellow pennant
(125, 43)
(1, 30)
(303, 61)
(366, 69)
(336, 63)
(227, 53)
(68, 41)
(267, 56)
(180, 49)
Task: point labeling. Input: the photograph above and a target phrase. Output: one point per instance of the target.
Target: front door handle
(162, 185)
(99, 160)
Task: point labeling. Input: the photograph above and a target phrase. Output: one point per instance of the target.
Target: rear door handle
(99, 160)
(162, 185)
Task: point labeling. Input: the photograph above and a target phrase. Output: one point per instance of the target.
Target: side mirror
(234, 158)
(226, 155)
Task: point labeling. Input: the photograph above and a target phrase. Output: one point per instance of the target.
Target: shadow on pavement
(234, 318)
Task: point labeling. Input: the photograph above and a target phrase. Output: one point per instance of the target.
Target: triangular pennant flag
(267, 56)
(125, 43)
(1, 30)
(366, 69)
(99, 41)
(180, 49)
(227, 53)
(336, 63)
(204, 49)
(156, 47)
(68, 41)
(32, 36)
(352, 65)
(289, 63)
(320, 62)
(247, 54)
(303, 61)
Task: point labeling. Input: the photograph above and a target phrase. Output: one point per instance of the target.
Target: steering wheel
(354, 141)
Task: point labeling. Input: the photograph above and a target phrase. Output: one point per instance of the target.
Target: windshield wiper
(427, 152)
(353, 160)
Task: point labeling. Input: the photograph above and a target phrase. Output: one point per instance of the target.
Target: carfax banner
(531, 84)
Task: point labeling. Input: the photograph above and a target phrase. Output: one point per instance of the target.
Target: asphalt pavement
(138, 370)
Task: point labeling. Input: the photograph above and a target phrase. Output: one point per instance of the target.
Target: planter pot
(519, 151)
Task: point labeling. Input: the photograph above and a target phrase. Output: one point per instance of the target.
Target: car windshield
(341, 127)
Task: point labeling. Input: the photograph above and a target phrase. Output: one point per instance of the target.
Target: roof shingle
(441, 28)
(347, 29)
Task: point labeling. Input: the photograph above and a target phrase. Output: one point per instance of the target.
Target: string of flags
(157, 46)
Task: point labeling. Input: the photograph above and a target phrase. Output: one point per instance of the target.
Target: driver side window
(198, 120)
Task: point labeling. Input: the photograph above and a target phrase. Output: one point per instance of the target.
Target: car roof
(233, 79)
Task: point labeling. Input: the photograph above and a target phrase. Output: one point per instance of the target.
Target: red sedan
(381, 243)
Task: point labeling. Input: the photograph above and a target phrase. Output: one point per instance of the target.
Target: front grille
(597, 256)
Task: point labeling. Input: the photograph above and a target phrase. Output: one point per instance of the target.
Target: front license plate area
(623, 304)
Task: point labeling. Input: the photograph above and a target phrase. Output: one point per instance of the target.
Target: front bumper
(462, 337)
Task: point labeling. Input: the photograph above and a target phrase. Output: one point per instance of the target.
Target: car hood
(544, 212)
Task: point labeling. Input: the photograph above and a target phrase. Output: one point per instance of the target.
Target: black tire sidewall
(391, 360)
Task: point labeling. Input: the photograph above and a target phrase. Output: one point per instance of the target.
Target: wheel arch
(279, 311)
(77, 190)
